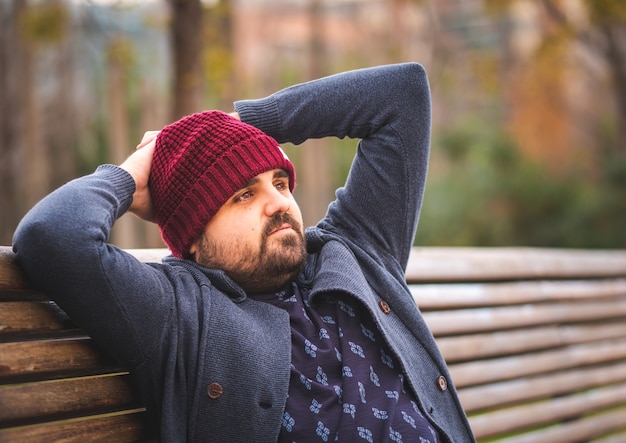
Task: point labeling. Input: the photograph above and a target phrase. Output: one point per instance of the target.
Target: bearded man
(254, 330)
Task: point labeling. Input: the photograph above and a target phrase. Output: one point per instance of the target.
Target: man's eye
(281, 186)
(243, 197)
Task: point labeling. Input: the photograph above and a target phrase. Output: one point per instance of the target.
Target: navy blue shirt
(346, 384)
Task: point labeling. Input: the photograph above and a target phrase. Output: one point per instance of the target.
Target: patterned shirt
(346, 384)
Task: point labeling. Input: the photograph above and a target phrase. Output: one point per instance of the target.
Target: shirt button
(442, 383)
(215, 390)
(384, 306)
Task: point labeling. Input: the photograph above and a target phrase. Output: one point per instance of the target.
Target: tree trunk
(186, 43)
(315, 170)
(34, 167)
(123, 233)
(24, 171)
(61, 114)
(9, 46)
(616, 58)
(152, 117)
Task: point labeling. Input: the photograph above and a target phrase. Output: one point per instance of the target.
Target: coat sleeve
(61, 246)
(388, 109)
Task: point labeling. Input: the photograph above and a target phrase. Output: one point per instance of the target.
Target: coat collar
(331, 266)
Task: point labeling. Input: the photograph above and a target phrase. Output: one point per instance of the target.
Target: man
(253, 330)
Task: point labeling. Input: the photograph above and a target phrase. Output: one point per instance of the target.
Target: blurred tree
(186, 44)
(60, 116)
(10, 62)
(316, 169)
(604, 34)
(26, 130)
(483, 192)
(218, 55)
(398, 34)
(34, 165)
(589, 34)
(119, 61)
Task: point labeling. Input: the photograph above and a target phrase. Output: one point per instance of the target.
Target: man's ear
(193, 249)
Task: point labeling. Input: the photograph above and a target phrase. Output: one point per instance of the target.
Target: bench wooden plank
(484, 345)
(30, 316)
(502, 394)
(472, 295)
(154, 255)
(616, 437)
(465, 321)
(545, 412)
(39, 359)
(22, 295)
(508, 368)
(40, 401)
(127, 427)
(495, 264)
(584, 430)
(10, 275)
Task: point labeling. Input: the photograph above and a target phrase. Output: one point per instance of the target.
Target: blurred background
(529, 101)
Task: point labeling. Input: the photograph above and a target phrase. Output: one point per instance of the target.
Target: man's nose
(276, 203)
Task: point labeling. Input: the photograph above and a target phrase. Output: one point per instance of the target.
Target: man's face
(257, 236)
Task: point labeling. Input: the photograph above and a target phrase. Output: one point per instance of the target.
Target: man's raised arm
(388, 108)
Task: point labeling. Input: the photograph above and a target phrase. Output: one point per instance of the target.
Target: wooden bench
(535, 339)
(55, 384)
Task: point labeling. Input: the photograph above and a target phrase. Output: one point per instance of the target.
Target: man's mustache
(280, 219)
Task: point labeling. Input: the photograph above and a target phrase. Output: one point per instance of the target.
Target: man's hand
(138, 165)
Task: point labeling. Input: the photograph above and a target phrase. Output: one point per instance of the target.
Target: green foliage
(461, 200)
(45, 22)
(498, 6)
(218, 58)
(121, 52)
(482, 192)
(606, 11)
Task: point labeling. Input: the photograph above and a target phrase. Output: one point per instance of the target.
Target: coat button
(215, 390)
(384, 306)
(442, 383)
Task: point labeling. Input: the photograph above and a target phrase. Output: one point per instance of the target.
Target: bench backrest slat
(496, 264)
(503, 318)
(550, 411)
(10, 276)
(474, 295)
(34, 360)
(500, 343)
(26, 403)
(523, 365)
(30, 316)
(589, 429)
(126, 427)
(500, 394)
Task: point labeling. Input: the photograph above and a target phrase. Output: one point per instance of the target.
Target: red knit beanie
(198, 163)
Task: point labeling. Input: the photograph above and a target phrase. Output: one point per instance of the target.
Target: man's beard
(263, 270)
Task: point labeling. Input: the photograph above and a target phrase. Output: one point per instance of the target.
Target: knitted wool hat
(198, 163)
